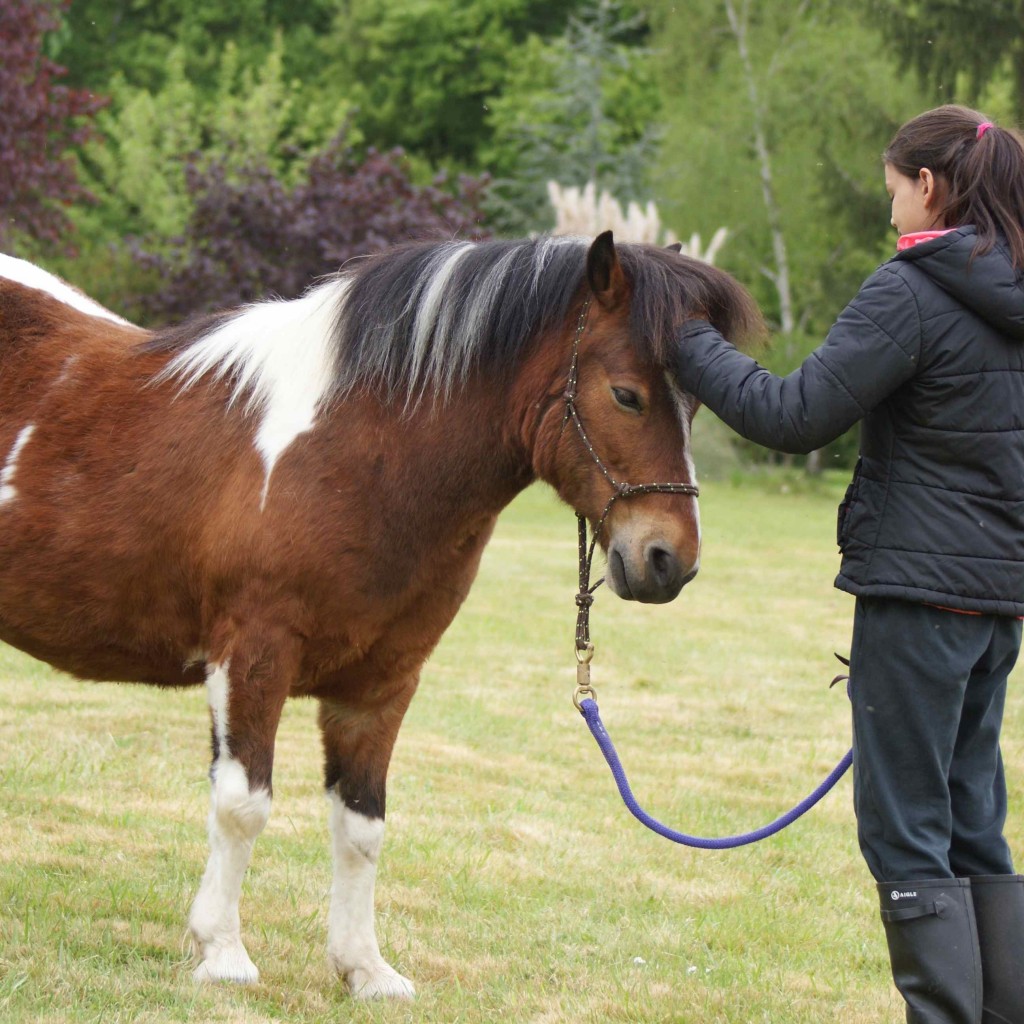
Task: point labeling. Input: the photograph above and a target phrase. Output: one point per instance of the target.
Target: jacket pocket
(845, 506)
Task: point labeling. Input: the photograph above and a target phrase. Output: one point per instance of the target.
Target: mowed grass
(514, 886)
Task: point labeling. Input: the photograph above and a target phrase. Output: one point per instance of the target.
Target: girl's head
(945, 168)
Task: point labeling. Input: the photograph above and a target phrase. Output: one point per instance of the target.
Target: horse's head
(623, 424)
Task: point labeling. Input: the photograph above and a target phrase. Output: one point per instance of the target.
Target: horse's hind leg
(357, 746)
(246, 692)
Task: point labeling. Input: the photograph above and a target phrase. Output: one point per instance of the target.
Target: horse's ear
(675, 247)
(604, 272)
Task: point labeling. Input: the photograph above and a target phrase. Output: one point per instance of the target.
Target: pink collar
(916, 237)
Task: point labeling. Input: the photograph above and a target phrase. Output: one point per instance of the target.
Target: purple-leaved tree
(250, 236)
(39, 121)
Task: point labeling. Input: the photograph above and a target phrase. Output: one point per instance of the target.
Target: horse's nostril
(663, 564)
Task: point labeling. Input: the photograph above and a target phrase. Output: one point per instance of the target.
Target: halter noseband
(585, 595)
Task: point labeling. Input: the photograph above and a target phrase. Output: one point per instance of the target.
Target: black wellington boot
(933, 949)
(999, 911)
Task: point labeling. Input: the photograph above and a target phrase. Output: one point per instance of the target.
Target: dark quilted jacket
(930, 355)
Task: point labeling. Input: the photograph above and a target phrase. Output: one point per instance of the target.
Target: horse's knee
(355, 834)
(237, 809)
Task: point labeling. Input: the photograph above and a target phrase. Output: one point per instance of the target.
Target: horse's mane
(419, 318)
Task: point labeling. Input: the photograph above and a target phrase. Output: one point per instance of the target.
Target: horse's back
(54, 351)
(28, 275)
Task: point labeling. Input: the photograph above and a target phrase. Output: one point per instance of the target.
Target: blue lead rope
(588, 708)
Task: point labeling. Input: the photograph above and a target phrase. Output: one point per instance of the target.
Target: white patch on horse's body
(35, 277)
(8, 492)
(237, 816)
(352, 948)
(217, 699)
(280, 357)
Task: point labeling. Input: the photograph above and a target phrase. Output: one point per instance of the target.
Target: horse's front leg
(357, 748)
(246, 690)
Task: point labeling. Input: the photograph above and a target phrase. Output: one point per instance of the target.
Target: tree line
(182, 155)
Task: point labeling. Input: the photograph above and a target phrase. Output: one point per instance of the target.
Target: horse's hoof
(381, 982)
(227, 965)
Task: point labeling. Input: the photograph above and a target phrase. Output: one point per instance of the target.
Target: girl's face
(913, 200)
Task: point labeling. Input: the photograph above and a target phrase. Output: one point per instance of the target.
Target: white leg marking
(8, 492)
(237, 816)
(352, 948)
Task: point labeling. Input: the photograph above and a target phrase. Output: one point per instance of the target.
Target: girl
(930, 355)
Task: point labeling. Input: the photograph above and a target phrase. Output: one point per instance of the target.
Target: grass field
(514, 886)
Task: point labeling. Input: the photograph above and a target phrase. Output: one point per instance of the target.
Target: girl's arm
(870, 351)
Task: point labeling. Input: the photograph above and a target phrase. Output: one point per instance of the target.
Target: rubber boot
(999, 911)
(933, 949)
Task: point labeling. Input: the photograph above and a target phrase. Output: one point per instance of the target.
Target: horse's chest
(388, 631)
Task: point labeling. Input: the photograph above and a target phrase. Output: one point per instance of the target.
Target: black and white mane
(418, 318)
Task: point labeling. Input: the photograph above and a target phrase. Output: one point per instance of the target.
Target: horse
(291, 499)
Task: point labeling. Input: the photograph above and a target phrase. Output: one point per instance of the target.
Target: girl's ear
(928, 186)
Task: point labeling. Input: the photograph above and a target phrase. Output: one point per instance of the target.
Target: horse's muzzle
(653, 575)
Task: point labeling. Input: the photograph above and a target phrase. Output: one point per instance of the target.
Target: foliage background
(180, 149)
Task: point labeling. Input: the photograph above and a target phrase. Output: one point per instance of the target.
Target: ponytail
(979, 169)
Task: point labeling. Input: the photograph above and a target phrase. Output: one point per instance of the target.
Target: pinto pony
(291, 500)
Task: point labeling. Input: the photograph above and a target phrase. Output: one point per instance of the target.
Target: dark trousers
(928, 688)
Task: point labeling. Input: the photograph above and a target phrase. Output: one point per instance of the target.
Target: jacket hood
(989, 285)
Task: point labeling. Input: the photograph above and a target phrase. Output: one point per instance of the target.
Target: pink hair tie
(984, 127)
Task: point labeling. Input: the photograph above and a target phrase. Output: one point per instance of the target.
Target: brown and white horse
(291, 499)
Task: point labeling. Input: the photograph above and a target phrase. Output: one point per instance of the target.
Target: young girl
(930, 355)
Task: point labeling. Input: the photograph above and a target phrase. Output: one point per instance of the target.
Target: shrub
(250, 235)
(39, 121)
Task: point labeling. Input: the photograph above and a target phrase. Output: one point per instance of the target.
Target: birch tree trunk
(739, 20)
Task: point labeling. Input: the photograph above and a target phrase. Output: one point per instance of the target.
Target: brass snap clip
(584, 656)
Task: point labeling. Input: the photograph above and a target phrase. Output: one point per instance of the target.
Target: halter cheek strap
(621, 489)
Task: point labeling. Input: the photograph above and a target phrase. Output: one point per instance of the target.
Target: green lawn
(514, 886)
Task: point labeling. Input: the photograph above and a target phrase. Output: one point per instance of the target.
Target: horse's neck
(457, 457)
(535, 408)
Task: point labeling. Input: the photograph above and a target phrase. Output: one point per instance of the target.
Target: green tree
(137, 170)
(774, 132)
(135, 37)
(581, 107)
(958, 47)
(775, 100)
(422, 72)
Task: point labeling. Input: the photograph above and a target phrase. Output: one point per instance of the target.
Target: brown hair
(980, 178)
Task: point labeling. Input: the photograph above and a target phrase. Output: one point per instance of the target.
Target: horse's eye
(628, 399)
